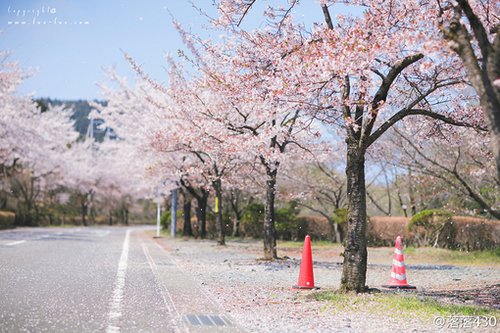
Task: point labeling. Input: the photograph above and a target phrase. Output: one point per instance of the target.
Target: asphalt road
(99, 280)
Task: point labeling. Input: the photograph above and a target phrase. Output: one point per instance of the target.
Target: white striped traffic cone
(398, 272)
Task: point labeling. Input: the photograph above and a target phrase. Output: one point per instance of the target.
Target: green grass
(55, 226)
(487, 257)
(299, 245)
(399, 305)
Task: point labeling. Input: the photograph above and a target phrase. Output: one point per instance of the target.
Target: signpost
(158, 215)
(173, 225)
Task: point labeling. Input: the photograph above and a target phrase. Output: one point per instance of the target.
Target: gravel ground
(259, 296)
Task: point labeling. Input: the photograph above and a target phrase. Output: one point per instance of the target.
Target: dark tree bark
(201, 197)
(125, 215)
(83, 211)
(201, 213)
(482, 72)
(219, 223)
(355, 252)
(3, 200)
(235, 202)
(270, 251)
(186, 208)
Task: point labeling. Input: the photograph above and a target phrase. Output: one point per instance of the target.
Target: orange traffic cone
(398, 273)
(306, 275)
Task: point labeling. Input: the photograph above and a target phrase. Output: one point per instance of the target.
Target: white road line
(164, 293)
(202, 290)
(169, 303)
(115, 304)
(16, 243)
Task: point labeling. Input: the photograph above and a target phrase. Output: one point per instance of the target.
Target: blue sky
(68, 43)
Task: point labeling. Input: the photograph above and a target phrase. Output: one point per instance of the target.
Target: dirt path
(258, 294)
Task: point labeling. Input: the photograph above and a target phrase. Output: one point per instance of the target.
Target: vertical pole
(158, 216)
(174, 213)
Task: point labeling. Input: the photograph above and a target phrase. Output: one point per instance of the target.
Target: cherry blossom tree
(465, 165)
(139, 170)
(321, 189)
(472, 29)
(270, 131)
(38, 142)
(363, 73)
(196, 130)
(470, 26)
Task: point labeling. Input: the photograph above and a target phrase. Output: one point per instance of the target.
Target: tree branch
(477, 28)
(412, 112)
(385, 86)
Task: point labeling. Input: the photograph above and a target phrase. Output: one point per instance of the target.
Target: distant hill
(81, 110)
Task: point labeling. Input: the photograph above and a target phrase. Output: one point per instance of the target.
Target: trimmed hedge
(459, 232)
(383, 230)
(476, 234)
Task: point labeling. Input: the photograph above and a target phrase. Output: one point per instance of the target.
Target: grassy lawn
(427, 255)
(445, 256)
(422, 255)
(314, 244)
(398, 305)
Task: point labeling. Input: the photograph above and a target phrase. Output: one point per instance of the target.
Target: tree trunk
(201, 214)
(234, 201)
(84, 213)
(270, 252)
(338, 238)
(110, 218)
(413, 204)
(482, 73)
(3, 200)
(236, 225)
(355, 253)
(219, 223)
(186, 207)
(125, 214)
(334, 230)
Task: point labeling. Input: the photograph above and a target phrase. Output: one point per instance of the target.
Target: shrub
(7, 219)
(165, 219)
(432, 227)
(211, 225)
(287, 223)
(340, 216)
(252, 222)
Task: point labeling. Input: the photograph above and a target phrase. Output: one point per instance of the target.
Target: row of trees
(46, 165)
(285, 107)
(256, 104)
